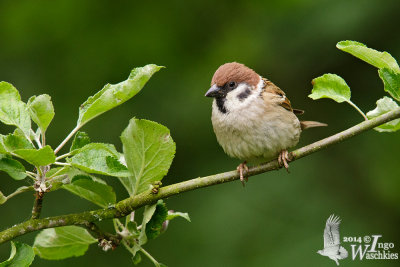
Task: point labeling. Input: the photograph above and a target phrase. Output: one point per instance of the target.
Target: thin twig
(358, 109)
(126, 206)
(67, 138)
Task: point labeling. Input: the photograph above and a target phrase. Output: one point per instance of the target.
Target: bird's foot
(283, 159)
(243, 169)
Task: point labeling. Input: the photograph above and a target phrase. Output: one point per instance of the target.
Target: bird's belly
(256, 140)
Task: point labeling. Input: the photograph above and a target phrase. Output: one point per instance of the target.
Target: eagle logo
(332, 247)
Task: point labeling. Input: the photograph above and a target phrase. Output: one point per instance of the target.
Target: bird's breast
(255, 133)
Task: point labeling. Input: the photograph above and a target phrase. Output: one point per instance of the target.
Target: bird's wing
(270, 87)
(331, 232)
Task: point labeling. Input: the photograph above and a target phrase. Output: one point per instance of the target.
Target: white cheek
(234, 103)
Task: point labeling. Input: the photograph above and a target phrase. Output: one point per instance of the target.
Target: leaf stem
(126, 206)
(148, 255)
(43, 138)
(63, 156)
(71, 134)
(19, 191)
(56, 173)
(31, 174)
(61, 163)
(358, 109)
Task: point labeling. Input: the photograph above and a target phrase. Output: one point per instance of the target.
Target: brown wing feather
(298, 111)
(270, 87)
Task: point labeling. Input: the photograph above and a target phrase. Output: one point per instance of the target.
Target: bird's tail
(343, 253)
(311, 124)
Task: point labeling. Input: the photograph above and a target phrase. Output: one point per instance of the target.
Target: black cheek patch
(221, 105)
(242, 96)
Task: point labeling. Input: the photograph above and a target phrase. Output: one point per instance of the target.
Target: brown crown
(235, 72)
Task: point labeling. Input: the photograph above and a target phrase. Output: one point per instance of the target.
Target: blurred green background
(69, 49)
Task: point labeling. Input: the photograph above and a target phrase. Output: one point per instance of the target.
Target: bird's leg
(242, 169)
(283, 159)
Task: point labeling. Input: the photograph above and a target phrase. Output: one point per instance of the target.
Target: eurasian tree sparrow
(252, 117)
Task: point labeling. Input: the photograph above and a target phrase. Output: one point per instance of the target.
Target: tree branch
(37, 205)
(128, 205)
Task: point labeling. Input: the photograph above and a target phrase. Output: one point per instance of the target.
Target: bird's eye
(232, 84)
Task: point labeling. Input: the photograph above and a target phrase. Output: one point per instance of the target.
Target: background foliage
(69, 49)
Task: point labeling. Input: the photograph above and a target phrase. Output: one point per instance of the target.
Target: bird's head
(232, 84)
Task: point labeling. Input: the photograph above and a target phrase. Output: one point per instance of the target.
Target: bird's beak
(214, 91)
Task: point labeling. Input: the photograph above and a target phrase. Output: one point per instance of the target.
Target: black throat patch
(221, 104)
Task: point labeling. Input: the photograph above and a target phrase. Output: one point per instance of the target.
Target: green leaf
(113, 95)
(136, 259)
(3, 198)
(132, 228)
(81, 139)
(21, 255)
(371, 56)
(173, 215)
(37, 157)
(154, 226)
(330, 86)
(391, 81)
(62, 242)
(12, 110)
(149, 151)
(99, 158)
(384, 105)
(147, 214)
(98, 193)
(13, 167)
(12, 142)
(41, 110)
(3, 149)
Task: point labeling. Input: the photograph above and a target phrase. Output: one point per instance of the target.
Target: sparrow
(252, 118)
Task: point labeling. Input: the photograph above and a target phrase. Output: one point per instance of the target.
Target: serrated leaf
(62, 242)
(81, 139)
(391, 81)
(85, 187)
(113, 95)
(13, 167)
(147, 214)
(149, 151)
(21, 255)
(99, 158)
(154, 226)
(12, 110)
(41, 110)
(330, 86)
(385, 105)
(173, 215)
(37, 157)
(369, 55)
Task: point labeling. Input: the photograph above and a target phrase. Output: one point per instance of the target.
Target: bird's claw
(243, 169)
(283, 159)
